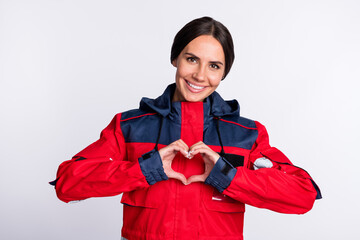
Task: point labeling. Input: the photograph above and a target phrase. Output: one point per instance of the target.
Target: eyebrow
(196, 57)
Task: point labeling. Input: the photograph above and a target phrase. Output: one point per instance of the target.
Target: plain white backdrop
(68, 66)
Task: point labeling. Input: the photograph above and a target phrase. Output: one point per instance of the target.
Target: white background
(67, 67)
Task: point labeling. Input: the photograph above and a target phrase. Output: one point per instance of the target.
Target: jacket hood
(163, 104)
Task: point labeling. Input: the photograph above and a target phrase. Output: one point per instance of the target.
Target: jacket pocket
(151, 197)
(216, 201)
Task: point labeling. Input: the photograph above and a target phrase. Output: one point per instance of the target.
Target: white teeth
(196, 87)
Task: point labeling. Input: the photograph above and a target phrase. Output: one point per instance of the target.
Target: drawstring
(222, 153)
(159, 133)
(232, 160)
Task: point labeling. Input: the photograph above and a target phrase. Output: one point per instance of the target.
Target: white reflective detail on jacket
(262, 163)
(75, 201)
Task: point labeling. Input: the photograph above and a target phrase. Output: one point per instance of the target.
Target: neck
(178, 97)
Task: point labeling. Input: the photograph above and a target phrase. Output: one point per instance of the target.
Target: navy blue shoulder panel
(246, 122)
(143, 127)
(235, 131)
(132, 113)
(139, 126)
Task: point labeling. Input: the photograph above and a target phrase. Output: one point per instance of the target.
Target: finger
(197, 178)
(207, 153)
(200, 143)
(184, 148)
(191, 149)
(178, 176)
(166, 152)
(183, 143)
(171, 149)
(180, 143)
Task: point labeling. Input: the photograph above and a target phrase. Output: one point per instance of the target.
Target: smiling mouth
(194, 86)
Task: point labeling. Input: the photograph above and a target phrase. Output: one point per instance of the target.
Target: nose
(200, 73)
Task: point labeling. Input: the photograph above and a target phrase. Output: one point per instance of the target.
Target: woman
(186, 161)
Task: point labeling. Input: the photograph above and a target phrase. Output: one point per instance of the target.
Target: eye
(215, 66)
(191, 59)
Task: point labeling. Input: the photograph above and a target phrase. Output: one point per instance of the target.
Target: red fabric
(104, 172)
(283, 188)
(171, 210)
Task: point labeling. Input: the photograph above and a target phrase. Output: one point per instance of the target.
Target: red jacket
(125, 160)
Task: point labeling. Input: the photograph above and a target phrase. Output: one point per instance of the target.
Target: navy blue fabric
(240, 132)
(54, 182)
(247, 123)
(145, 129)
(214, 106)
(318, 195)
(231, 135)
(134, 113)
(79, 158)
(221, 175)
(164, 106)
(234, 159)
(152, 167)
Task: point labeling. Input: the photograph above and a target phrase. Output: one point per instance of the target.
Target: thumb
(197, 178)
(177, 175)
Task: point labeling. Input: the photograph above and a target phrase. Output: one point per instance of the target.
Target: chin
(194, 98)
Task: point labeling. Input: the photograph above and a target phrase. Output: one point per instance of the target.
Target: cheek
(215, 80)
(184, 70)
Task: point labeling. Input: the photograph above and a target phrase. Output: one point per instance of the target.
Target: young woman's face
(200, 68)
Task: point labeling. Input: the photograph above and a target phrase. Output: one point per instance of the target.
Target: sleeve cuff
(152, 167)
(221, 175)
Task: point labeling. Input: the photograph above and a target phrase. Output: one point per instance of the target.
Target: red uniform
(125, 160)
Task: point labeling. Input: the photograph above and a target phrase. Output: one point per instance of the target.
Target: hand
(209, 156)
(167, 155)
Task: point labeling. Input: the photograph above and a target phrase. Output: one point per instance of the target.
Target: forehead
(206, 46)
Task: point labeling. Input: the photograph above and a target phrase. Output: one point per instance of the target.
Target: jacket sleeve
(101, 169)
(277, 184)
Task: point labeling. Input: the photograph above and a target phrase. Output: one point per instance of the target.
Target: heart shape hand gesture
(168, 153)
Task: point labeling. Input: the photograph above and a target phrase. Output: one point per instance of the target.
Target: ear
(174, 62)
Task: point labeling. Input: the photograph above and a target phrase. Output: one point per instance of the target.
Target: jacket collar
(164, 105)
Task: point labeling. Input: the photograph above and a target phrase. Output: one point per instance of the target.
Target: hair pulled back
(205, 26)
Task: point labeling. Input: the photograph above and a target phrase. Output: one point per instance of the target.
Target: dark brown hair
(205, 26)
